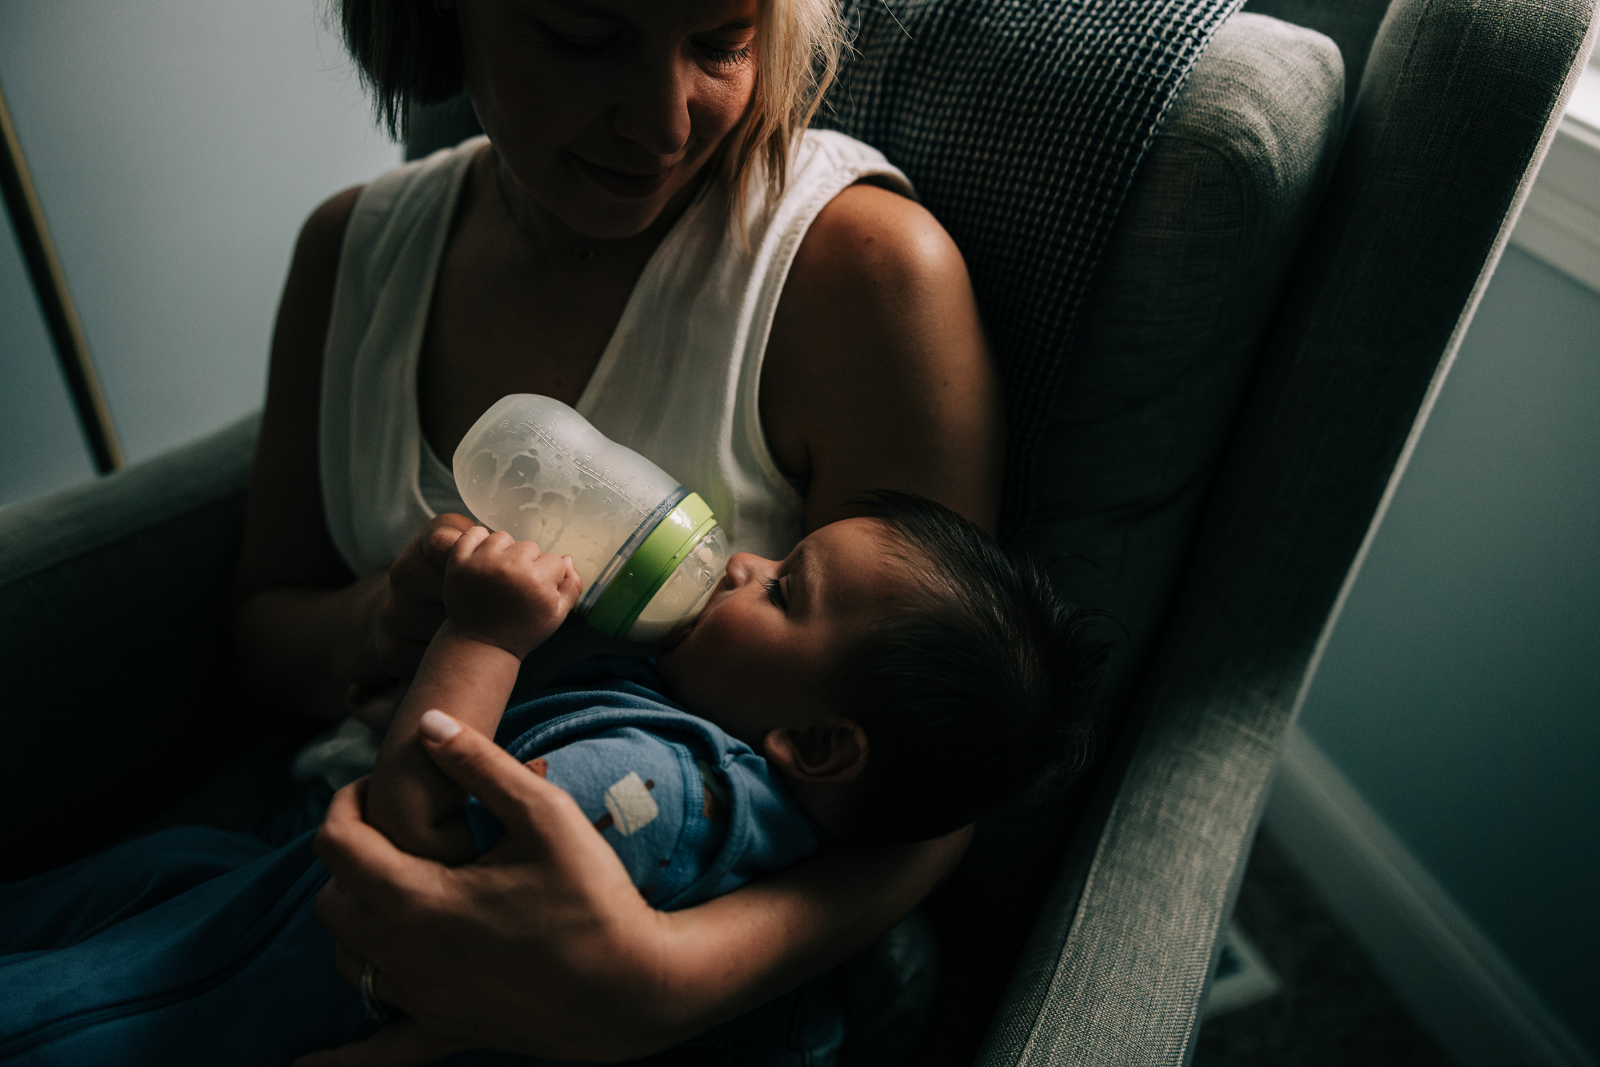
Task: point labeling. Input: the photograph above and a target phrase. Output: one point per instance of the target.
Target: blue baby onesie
(198, 947)
(692, 813)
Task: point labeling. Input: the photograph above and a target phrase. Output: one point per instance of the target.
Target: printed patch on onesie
(630, 805)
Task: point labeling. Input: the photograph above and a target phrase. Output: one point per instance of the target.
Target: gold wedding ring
(376, 1009)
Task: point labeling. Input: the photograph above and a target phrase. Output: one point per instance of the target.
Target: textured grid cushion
(1182, 297)
(1021, 123)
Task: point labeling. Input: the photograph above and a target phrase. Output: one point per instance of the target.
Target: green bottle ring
(651, 564)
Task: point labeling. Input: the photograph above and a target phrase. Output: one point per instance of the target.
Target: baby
(898, 672)
(891, 679)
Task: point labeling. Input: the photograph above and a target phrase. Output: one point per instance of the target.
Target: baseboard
(1456, 982)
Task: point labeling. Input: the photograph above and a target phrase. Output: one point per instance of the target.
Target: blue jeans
(195, 946)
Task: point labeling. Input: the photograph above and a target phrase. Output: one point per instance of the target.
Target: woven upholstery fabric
(1351, 24)
(1183, 295)
(1021, 123)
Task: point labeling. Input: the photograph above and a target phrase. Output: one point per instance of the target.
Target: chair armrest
(114, 647)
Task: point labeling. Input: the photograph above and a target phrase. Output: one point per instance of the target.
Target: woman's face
(603, 111)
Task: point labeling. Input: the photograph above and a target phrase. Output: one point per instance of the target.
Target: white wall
(177, 145)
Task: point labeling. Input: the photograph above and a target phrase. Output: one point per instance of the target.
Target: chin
(676, 635)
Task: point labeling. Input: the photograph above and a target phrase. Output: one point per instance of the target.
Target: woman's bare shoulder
(868, 234)
(877, 372)
(308, 292)
(322, 235)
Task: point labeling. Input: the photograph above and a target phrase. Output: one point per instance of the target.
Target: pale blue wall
(1460, 692)
(177, 145)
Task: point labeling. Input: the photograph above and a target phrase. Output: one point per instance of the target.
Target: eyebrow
(800, 590)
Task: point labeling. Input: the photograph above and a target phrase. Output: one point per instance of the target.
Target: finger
(412, 617)
(356, 928)
(571, 585)
(414, 573)
(562, 578)
(364, 860)
(465, 545)
(375, 706)
(494, 776)
(402, 1043)
(528, 553)
(364, 934)
(351, 965)
(440, 536)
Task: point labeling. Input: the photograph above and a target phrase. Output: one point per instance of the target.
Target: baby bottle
(648, 550)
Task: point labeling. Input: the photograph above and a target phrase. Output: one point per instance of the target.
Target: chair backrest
(1173, 323)
(1350, 24)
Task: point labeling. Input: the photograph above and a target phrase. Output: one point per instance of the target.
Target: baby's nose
(741, 566)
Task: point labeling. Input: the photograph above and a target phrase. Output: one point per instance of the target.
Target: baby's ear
(833, 751)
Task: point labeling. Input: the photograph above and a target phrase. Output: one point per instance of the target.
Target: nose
(653, 110)
(742, 566)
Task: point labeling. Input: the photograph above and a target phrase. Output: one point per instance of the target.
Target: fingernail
(438, 727)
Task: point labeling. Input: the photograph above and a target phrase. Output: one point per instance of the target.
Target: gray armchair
(1297, 259)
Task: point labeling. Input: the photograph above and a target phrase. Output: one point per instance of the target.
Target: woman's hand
(542, 947)
(409, 612)
(413, 605)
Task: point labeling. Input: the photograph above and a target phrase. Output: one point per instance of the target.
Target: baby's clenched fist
(506, 592)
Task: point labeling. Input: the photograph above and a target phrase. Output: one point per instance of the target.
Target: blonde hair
(798, 44)
(409, 53)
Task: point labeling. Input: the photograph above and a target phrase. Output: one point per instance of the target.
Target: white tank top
(677, 382)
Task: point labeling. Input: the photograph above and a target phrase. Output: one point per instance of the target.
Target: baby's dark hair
(980, 691)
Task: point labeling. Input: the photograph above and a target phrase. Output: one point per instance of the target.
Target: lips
(622, 184)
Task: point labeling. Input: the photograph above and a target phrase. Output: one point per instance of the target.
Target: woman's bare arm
(739, 951)
(877, 374)
(300, 612)
(303, 623)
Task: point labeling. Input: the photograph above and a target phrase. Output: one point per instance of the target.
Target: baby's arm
(502, 598)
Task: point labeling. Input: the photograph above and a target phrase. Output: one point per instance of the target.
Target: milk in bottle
(648, 550)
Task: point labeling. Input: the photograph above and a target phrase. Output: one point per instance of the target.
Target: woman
(644, 237)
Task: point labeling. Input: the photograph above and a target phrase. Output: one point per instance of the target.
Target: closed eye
(775, 594)
(724, 57)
